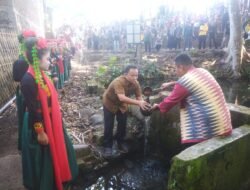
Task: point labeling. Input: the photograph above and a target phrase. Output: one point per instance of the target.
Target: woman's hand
(42, 138)
(55, 79)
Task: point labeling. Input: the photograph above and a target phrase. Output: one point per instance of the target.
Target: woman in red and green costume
(48, 157)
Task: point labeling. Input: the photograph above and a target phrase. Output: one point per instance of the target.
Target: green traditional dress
(66, 69)
(37, 160)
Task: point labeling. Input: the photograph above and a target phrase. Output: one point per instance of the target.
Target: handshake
(147, 109)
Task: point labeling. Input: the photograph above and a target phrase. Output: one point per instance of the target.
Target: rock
(96, 119)
(86, 112)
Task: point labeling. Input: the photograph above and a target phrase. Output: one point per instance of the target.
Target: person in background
(115, 104)
(203, 110)
(158, 43)
(54, 68)
(116, 41)
(178, 36)
(147, 40)
(188, 35)
(203, 30)
(212, 31)
(48, 157)
(20, 66)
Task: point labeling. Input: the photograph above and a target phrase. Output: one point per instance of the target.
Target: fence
(8, 54)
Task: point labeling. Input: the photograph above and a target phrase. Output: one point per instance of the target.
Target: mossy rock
(217, 164)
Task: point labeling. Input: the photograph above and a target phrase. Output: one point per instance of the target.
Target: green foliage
(194, 53)
(149, 70)
(105, 74)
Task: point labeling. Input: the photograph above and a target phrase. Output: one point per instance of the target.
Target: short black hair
(128, 67)
(183, 59)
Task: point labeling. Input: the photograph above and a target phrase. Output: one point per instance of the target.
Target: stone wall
(216, 164)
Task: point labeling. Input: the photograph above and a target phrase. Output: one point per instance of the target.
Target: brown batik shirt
(120, 85)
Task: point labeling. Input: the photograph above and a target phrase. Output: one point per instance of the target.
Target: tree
(235, 47)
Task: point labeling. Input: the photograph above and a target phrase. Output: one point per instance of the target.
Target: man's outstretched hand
(167, 84)
(144, 105)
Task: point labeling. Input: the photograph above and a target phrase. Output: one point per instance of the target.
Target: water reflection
(133, 175)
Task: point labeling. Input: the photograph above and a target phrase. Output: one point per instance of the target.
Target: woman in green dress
(48, 157)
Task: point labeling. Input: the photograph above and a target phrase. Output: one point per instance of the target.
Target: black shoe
(107, 152)
(123, 147)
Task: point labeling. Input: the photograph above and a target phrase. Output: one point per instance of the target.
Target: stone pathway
(11, 172)
(10, 159)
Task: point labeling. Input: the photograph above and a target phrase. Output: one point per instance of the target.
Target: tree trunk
(235, 41)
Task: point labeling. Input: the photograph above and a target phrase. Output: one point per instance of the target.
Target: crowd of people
(169, 32)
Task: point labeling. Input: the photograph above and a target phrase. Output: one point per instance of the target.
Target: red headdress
(28, 33)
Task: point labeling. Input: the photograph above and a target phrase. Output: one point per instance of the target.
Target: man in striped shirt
(204, 113)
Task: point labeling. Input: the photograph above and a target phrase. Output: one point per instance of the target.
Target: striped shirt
(204, 113)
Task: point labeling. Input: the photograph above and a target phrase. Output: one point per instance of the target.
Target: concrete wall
(217, 164)
(29, 14)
